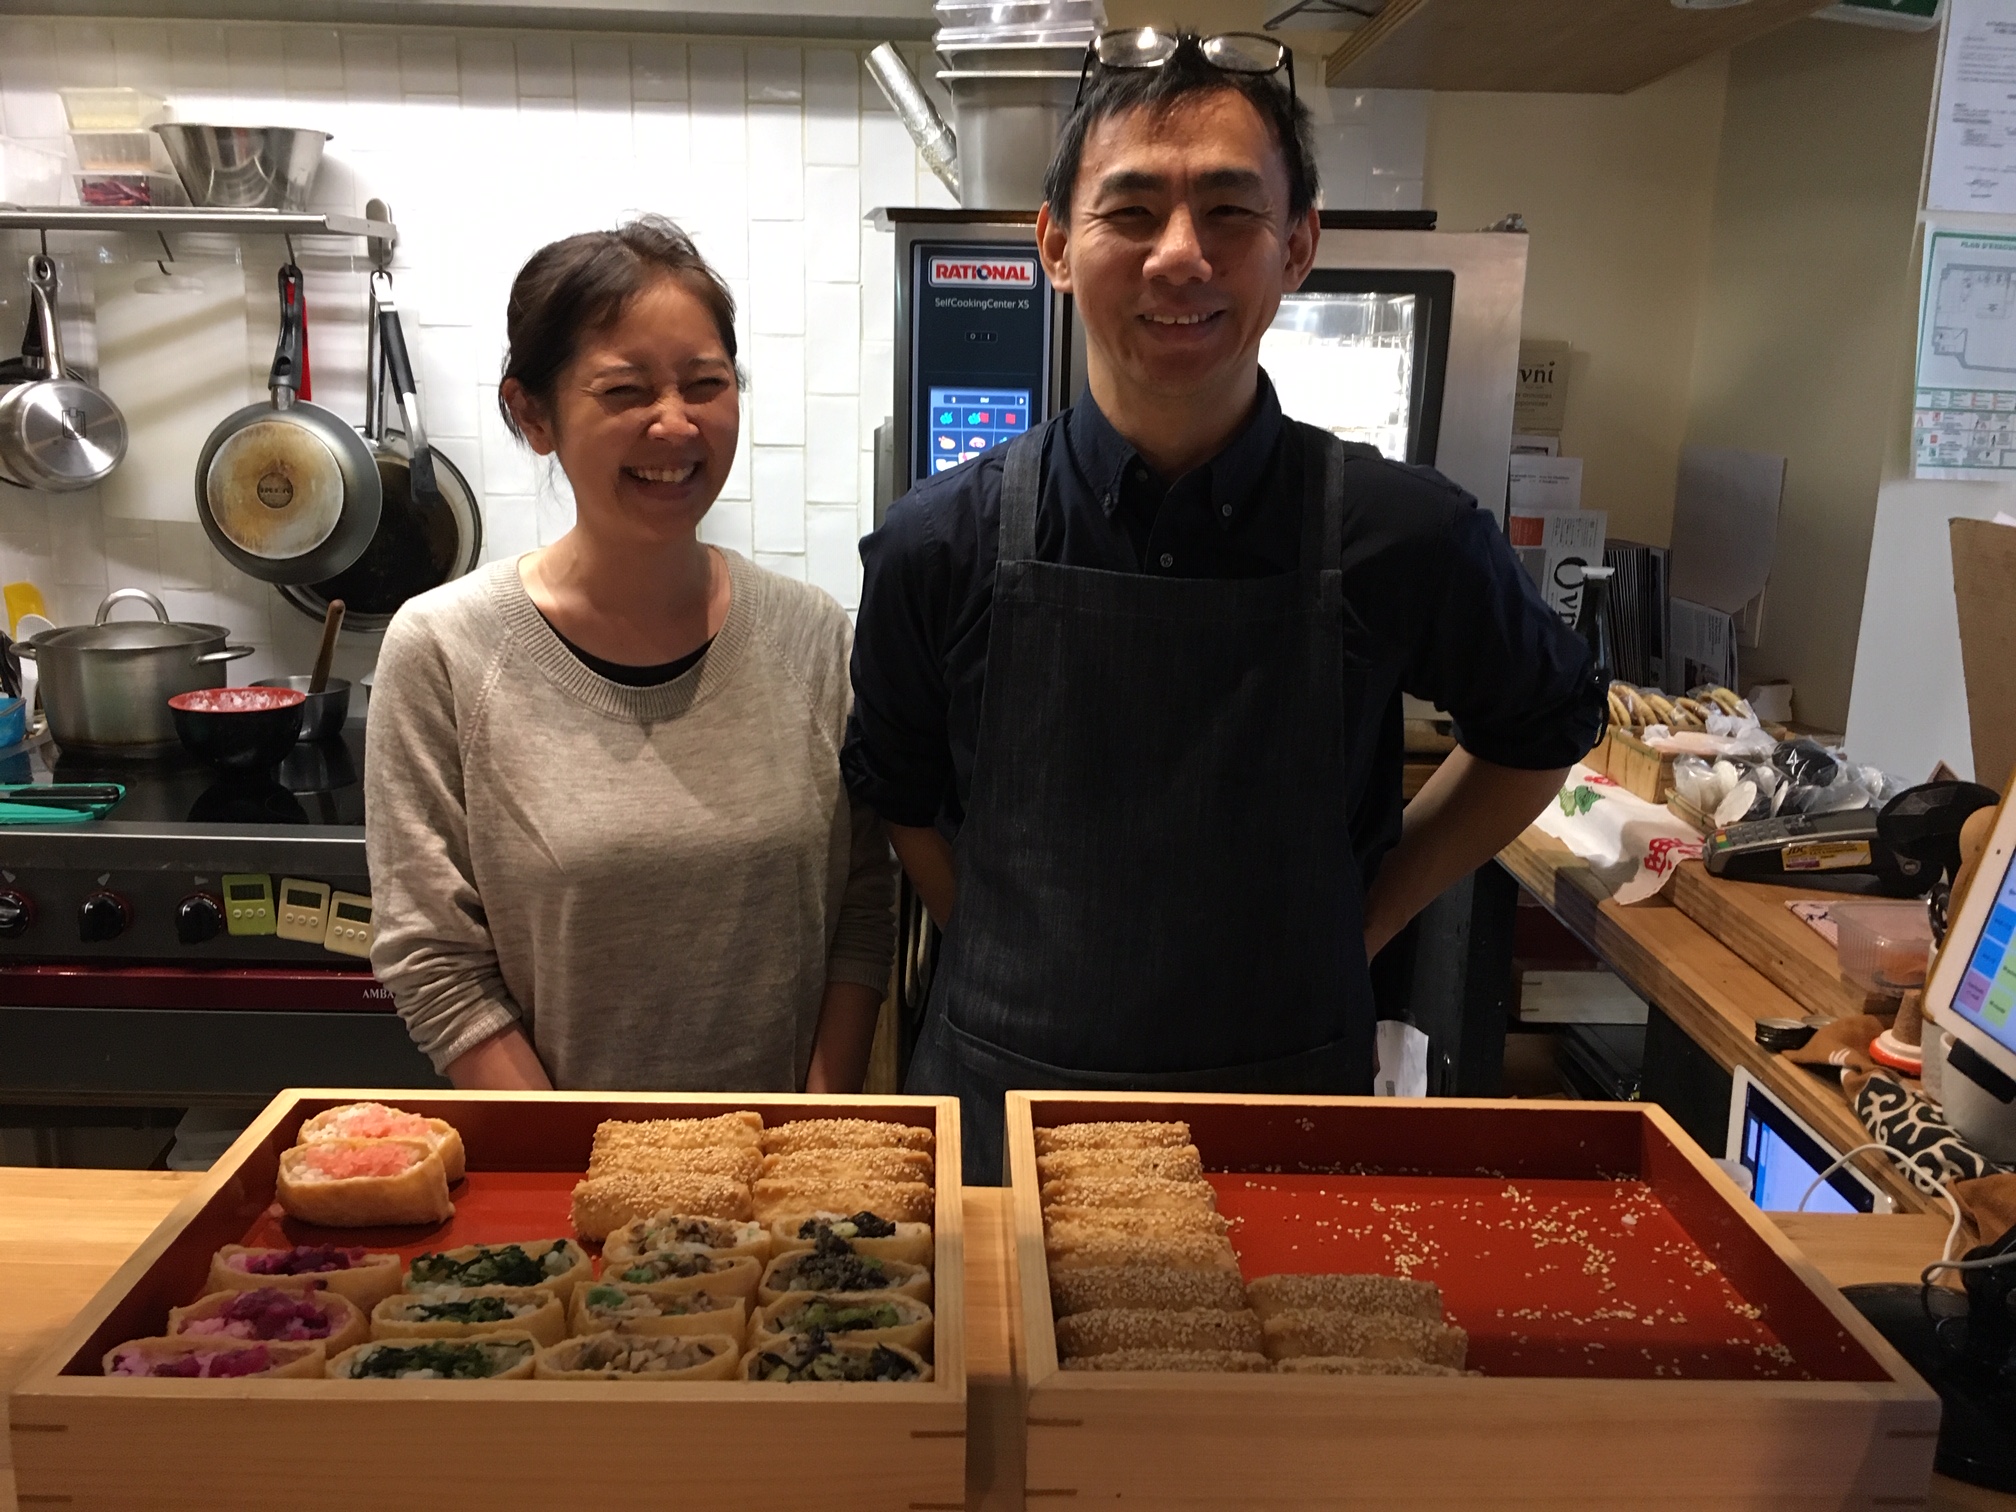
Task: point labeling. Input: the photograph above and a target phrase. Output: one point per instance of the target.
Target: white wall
(488, 144)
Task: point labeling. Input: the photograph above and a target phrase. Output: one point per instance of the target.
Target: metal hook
(45, 241)
(167, 253)
(290, 247)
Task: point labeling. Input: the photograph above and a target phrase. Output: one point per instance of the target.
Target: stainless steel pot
(57, 433)
(106, 686)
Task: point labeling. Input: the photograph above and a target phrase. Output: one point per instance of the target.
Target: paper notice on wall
(1554, 545)
(1974, 123)
(1725, 525)
(1963, 423)
(1541, 401)
(1703, 646)
(1539, 481)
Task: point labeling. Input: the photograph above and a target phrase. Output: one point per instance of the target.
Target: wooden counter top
(63, 1232)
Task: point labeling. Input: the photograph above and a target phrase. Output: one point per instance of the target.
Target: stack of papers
(1637, 612)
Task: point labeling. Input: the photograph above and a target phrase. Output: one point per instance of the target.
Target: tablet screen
(1987, 993)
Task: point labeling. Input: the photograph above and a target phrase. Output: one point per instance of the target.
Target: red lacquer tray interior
(1567, 1242)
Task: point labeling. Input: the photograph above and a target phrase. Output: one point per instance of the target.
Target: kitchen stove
(203, 941)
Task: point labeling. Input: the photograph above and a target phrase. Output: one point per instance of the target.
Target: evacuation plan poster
(1964, 420)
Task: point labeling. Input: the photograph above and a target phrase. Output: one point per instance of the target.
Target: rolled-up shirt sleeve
(864, 940)
(432, 947)
(1520, 685)
(897, 760)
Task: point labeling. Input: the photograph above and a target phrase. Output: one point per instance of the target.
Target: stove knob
(199, 917)
(103, 916)
(17, 912)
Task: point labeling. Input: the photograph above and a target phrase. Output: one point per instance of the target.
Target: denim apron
(1156, 883)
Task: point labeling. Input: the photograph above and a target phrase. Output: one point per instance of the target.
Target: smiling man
(1127, 692)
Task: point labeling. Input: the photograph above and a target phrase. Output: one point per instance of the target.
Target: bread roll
(1379, 1336)
(1164, 1162)
(366, 1278)
(1106, 1330)
(364, 1183)
(1083, 1288)
(559, 1265)
(1270, 1295)
(864, 1317)
(370, 1120)
(469, 1312)
(864, 1233)
(640, 1357)
(604, 1204)
(197, 1358)
(604, 1305)
(268, 1314)
(724, 1236)
(844, 1134)
(1125, 1135)
(494, 1357)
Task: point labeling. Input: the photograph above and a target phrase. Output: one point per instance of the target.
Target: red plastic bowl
(237, 700)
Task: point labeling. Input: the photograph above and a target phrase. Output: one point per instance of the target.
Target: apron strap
(1021, 479)
(1323, 459)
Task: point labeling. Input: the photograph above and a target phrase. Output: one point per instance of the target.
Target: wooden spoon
(331, 623)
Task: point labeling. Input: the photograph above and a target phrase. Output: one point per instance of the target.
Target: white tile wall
(488, 144)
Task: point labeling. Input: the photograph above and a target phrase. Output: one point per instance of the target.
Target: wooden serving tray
(83, 1442)
(1648, 1338)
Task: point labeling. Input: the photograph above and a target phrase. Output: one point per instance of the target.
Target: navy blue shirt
(1436, 599)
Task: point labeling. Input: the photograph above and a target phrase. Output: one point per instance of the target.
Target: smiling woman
(609, 844)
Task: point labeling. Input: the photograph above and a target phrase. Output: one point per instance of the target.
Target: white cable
(1913, 1169)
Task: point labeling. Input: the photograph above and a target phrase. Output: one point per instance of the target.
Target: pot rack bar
(380, 232)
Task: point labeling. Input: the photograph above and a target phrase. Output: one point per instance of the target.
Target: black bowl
(239, 729)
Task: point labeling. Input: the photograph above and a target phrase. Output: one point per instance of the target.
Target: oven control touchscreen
(248, 904)
(304, 910)
(349, 924)
(967, 422)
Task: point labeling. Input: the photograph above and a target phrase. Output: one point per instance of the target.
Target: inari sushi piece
(815, 1357)
(364, 1183)
(1060, 1223)
(366, 1278)
(864, 1233)
(837, 1271)
(1086, 1288)
(559, 1265)
(603, 1204)
(1129, 1192)
(269, 1315)
(1361, 1365)
(616, 1138)
(1200, 1361)
(899, 1201)
(1165, 1162)
(1111, 1136)
(1271, 1295)
(688, 1268)
(196, 1357)
(493, 1357)
(640, 1357)
(370, 1120)
(1107, 1330)
(864, 1317)
(1176, 1251)
(883, 1163)
(844, 1134)
(467, 1312)
(724, 1236)
(736, 1162)
(1378, 1336)
(604, 1305)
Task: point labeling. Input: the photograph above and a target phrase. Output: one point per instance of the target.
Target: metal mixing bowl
(323, 714)
(244, 167)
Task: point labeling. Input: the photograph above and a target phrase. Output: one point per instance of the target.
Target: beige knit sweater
(655, 883)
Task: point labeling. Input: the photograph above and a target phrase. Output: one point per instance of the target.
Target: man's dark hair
(575, 287)
(1158, 91)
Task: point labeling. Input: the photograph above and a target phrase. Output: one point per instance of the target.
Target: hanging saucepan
(57, 433)
(287, 492)
(430, 532)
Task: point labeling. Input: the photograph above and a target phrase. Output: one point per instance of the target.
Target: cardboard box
(1984, 592)
(1640, 1398)
(84, 1441)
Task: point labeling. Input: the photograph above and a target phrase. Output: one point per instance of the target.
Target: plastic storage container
(1883, 946)
(120, 152)
(123, 190)
(29, 175)
(112, 109)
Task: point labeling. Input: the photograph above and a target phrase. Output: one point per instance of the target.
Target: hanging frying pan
(286, 491)
(428, 534)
